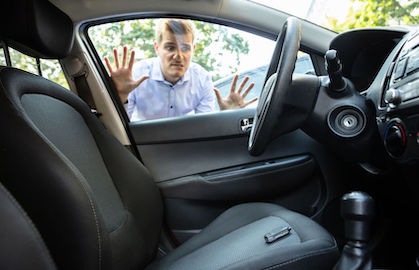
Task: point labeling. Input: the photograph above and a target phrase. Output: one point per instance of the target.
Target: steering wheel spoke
(277, 82)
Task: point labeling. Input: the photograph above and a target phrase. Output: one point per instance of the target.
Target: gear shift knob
(357, 208)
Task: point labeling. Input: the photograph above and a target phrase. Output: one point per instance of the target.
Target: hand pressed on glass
(122, 75)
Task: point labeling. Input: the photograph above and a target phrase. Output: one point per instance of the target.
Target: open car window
(220, 50)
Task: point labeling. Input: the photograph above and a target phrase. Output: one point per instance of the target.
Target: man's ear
(193, 50)
(156, 47)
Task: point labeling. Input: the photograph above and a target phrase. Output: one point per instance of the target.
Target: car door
(201, 164)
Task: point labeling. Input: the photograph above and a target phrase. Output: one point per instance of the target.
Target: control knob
(395, 139)
(393, 97)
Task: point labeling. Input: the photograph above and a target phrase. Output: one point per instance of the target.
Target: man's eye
(170, 48)
(186, 48)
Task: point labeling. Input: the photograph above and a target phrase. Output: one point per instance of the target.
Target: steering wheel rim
(277, 82)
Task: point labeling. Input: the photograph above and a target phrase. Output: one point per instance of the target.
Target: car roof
(261, 18)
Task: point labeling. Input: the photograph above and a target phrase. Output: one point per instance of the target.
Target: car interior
(321, 174)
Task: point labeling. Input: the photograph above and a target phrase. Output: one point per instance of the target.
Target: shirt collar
(157, 74)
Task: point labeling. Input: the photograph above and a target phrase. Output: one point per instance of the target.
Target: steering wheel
(277, 83)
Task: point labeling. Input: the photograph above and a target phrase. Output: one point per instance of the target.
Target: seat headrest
(36, 28)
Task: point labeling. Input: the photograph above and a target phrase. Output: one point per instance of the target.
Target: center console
(399, 121)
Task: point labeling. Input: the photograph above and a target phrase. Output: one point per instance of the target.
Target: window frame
(96, 59)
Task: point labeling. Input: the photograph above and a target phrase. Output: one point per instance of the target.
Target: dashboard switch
(393, 97)
(399, 72)
(413, 63)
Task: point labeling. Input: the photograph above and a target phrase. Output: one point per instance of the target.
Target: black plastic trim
(255, 181)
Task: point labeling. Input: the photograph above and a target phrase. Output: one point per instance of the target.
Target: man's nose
(178, 54)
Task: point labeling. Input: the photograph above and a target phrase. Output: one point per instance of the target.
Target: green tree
(368, 13)
(139, 35)
(51, 69)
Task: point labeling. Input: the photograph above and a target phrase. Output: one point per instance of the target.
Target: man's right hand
(122, 75)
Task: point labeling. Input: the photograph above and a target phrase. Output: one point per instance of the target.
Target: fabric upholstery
(21, 245)
(98, 208)
(235, 240)
(92, 201)
(51, 168)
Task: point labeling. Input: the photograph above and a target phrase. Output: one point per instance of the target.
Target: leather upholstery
(21, 246)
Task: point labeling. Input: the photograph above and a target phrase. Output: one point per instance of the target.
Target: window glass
(51, 69)
(222, 51)
(2, 57)
(24, 62)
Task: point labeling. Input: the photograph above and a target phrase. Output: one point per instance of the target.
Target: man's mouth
(176, 65)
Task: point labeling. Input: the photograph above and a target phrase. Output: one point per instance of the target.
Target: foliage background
(51, 69)
(368, 13)
(210, 38)
(139, 35)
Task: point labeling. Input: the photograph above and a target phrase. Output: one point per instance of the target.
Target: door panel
(256, 181)
(202, 166)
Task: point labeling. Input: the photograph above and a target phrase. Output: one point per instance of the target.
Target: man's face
(175, 52)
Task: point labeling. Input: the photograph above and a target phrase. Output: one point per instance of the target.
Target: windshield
(349, 14)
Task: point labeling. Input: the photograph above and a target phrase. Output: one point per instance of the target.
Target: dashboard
(383, 64)
(398, 119)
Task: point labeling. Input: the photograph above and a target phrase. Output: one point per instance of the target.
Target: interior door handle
(246, 124)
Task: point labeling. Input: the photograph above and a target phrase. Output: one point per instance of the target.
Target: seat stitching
(270, 267)
(287, 262)
(78, 176)
(27, 119)
(218, 238)
(92, 207)
(271, 214)
(29, 221)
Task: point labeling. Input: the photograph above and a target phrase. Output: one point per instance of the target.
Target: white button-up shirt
(157, 98)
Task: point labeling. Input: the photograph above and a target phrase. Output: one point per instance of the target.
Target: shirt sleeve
(129, 107)
(207, 102)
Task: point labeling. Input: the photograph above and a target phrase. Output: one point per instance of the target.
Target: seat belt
(84, 92)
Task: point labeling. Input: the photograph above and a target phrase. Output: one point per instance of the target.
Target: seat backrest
(21, 246)
(93, 202)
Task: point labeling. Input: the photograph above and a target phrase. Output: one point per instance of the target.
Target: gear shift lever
(357, 208)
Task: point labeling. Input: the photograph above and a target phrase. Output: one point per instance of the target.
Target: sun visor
(36, 28)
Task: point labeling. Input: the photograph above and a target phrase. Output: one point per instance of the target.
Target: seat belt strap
(84, 92)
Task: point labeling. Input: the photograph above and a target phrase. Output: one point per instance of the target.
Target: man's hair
(174, 26)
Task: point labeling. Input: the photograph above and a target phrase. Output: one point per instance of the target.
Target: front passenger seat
(94, 203)
(21, 246)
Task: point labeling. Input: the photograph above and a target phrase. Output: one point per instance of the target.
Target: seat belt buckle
(277, 234)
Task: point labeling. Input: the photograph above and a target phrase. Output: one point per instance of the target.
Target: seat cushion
(235, 240)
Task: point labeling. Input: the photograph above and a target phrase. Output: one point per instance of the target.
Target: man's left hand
(235, 99)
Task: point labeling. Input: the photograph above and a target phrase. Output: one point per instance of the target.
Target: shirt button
(171, 107)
